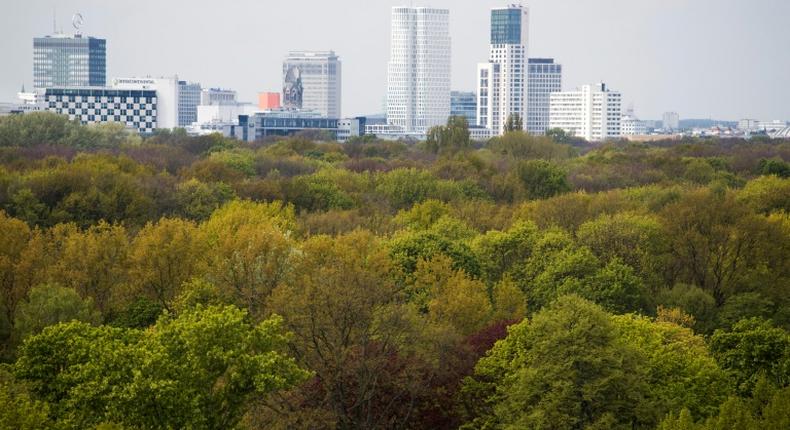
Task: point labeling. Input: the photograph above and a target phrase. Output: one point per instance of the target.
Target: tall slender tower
(502, 81)
(418, 76)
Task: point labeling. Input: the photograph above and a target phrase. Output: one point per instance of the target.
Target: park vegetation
(175, 282)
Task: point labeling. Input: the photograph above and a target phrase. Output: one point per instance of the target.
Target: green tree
(49, 304)
(542, 179)
(163, 256)
(18, 409)
(754, 348)
(198, 370)
(573, 366)
(452, 137)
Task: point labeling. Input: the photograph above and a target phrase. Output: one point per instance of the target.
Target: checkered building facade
(133, 108)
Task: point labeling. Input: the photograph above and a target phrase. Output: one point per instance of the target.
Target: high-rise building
(544, 77)
(62, 60)
(418, 75)
(671, 121)
(502, 81)
(592, 112)
(268, 101)
(312, 82)
(188, 101)
(464, 104)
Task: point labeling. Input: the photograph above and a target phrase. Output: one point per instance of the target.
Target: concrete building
(630, 125)
(544, 77)
(418, 74)
(268, 101)
(62, 60)
(167, 96)
(502, 81)
(312, 82)
(592, 112)
(188, 101)
(350, 127)
(464, 104)
(217, 96)
(671, 121)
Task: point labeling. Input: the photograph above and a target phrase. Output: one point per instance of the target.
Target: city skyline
(655, 53)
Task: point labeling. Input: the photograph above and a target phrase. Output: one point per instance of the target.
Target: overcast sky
(723, 59)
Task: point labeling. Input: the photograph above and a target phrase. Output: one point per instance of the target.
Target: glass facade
(69, 61)
(464, 104)
(188, 101)
(506, 26)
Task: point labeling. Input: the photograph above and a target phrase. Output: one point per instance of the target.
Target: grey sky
(726, 59)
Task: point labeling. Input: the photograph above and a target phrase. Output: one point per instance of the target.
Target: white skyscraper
(312, 81)
(544, 77)
(592, 112)
(418, 76)
(502, 81)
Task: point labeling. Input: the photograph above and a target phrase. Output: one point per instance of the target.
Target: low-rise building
(261, 125)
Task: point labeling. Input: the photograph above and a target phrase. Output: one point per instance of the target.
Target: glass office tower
(64, 60)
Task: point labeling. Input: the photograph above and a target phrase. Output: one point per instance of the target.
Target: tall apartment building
(312, 81)
(502, 81)
(188, 101)
(62, 60)
(418, 75)
(544, 77)
(464, 104)
(591, 112)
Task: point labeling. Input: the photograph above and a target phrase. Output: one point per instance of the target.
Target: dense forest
(176, 282)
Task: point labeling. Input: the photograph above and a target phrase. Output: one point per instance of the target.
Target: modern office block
(312, 82)
(62, 60)
(544, 77)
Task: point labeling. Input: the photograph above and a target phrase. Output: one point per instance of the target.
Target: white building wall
(166, 93)
(592, 112)
(418, 75)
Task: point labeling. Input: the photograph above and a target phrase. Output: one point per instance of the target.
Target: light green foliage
(575, 366)
(767, 194)
(49, 304)
(542, 179)
(197, 370)
(754, 348)
(197, 200)
(163, 256)
(405, 187)
(18, 410)
(447, 237)
(422, 215)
